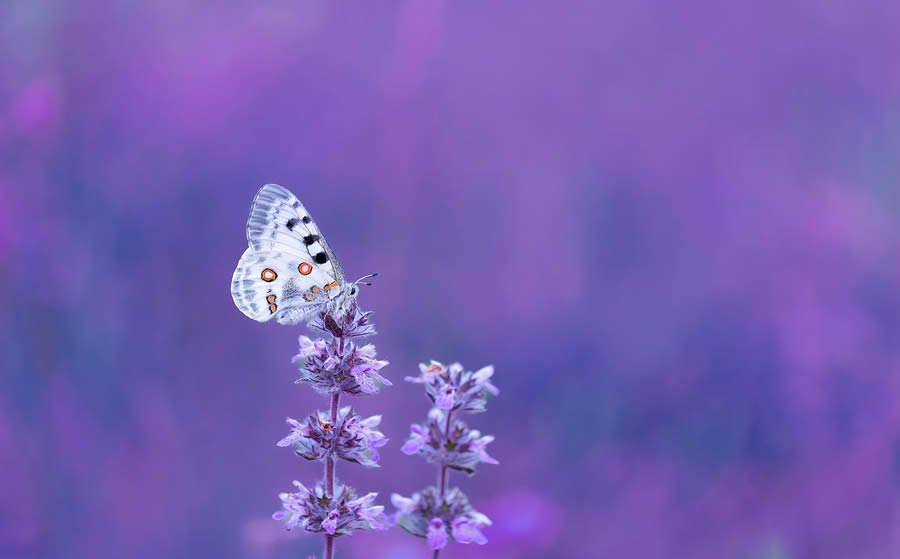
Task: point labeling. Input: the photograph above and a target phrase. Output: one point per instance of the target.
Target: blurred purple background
(672, 227)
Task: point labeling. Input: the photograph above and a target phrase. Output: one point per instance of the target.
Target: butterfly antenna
(360, 280)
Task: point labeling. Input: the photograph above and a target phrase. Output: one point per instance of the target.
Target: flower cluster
(316, 511)
(435, 513)
(452, 388)
(428, 516)
(336, 364)
(339, 364)
(350, 437)
(460, 449)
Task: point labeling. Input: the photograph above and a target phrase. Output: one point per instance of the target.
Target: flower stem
(329, 463)
(443, 478)
(329, 468)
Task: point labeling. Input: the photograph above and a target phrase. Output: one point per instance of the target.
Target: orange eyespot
(315, 289)
(330, 285)
(308, 297)
(269, 274)
(270, 298)
(304, 268)
(272, 308)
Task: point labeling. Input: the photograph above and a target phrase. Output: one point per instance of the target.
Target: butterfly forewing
(278, 221)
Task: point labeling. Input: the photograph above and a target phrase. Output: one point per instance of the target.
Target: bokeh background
(671, 226)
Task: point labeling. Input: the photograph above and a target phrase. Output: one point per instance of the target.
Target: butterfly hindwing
(273, 284)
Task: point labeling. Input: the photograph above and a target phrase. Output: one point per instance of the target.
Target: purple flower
(402, 504)
(331, 362)
(429, 372)
(330, 523)
(461, 448)
(373, 513)
(418, 436)
(298, 431)
(337, 364)
(350, 437)
(482, 379)
(436, 535)
(467, 529)
(425, 515)
(453, 388)
(446, 398)
(365, 373)
(476, 445)
(315, 511)
(365, 429)
(365, 352)
(309, 347)
(293, 509)
(435, 513)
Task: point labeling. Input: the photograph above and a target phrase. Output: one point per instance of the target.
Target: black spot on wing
(321, 258)
(291, 223)
(306, 219)
(310, 239)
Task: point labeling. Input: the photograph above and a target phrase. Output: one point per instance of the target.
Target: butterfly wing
(268, 285)
(279, 222)
(288, 272)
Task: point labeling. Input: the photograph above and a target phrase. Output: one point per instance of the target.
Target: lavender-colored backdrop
(671, 226)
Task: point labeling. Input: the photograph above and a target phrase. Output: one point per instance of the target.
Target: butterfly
(288, 271)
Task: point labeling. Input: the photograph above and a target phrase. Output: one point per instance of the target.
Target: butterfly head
(351, 290)
(354, 287)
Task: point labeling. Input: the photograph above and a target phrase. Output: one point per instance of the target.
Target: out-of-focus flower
(418, 437)
(428, 372)
(477, 445)
(315, 511)
(436, 535)
(349, 437)
(461, 448)
(403, 504)
(436, 514)
(424, 515)
(337, 364)
(453, 388)
(446, 398)
(330, 523)
(467, 529)
(374, 514)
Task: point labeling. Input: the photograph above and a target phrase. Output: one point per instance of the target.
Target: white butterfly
(288, 272)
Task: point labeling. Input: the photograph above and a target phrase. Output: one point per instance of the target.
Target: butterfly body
(288, 272)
